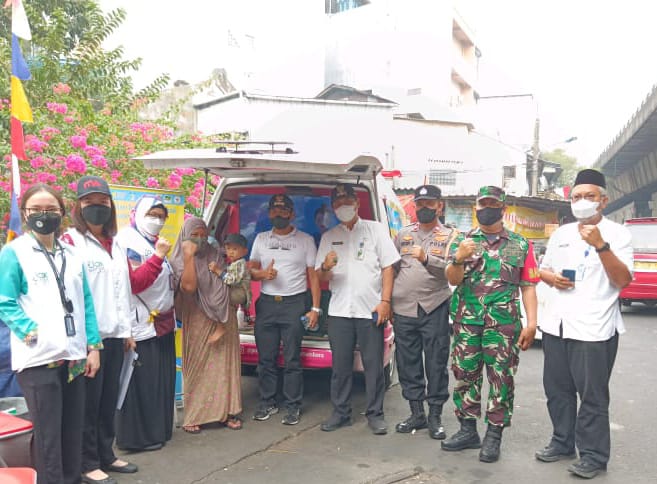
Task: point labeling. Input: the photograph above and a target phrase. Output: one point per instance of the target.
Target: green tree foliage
(568, 164)
(86, 116)
(67, 46)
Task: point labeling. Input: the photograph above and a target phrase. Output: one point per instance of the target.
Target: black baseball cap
(237, 239)
(282, 201)
(92, 184)
(343, 190)
(427, 192)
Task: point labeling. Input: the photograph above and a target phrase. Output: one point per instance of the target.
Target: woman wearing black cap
(109, 277)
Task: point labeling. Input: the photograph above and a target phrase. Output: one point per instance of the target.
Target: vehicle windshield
(644, 237)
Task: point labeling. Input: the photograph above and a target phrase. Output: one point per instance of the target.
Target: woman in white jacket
(145, 422)
(109, 277)
(46, 303)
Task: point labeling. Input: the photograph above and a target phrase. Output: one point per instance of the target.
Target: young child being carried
(236, 275)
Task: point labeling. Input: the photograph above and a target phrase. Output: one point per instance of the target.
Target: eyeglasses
(591, 197)
(161, 217)
(38, 211)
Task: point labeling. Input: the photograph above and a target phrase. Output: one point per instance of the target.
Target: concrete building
(402, 48)
(630, 165)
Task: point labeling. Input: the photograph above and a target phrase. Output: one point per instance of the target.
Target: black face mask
(489, 215)
(44, 223)
(280, 222)
(425, 215)
(97, 214)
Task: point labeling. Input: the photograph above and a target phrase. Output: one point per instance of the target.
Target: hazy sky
(589, 64)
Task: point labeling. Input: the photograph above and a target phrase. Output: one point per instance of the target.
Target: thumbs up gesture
(270, 272)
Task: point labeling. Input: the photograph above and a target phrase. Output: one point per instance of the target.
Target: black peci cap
(590, 177)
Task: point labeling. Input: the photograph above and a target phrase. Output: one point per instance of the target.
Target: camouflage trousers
(495, 346)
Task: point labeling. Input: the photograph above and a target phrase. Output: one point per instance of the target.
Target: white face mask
(346, 213)
(153, 225)
(584, 209)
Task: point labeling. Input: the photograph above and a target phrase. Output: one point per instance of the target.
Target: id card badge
(360, 254)
(171, 284)
(579, 274)
(69, 323)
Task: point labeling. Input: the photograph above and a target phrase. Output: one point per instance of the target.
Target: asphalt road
(270, 452)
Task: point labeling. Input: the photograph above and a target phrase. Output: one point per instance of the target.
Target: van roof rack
(238, 147)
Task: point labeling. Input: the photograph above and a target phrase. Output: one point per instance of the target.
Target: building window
(509, 172)
(442, 177)
(337, 6)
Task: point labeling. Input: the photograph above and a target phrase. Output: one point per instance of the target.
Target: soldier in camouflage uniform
(490, 267)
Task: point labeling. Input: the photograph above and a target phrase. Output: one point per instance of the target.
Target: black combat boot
(416, 421)
(490, 448)
(466, 438)
(436, 429)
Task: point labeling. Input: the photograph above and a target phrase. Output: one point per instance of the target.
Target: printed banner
(126, 197)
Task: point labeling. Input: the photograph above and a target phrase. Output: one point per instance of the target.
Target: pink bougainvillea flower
(69, 119)
(152, 182)
(33, 143)
(116, 174)
(78, 141)
(174, 181)
(75, 163)
(61, 88)
(99, 161)
(49, 132)
(92, 151)
(73, 186)
(194, 201)
(59, 108)
(38, 161)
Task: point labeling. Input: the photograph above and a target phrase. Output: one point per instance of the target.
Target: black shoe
(107, 480)
(552, 454)
(436, 429)
(334, 422)
(126, 469)
(416, 421)
(265, 411)
(466, 438)
(490, 447)
(292, 417)
(586, 469)
(377, 425)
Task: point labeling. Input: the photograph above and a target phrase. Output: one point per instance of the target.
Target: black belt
(267, 297)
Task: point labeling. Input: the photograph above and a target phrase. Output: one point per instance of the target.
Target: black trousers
(57, 413)
(100, 407)
(579, 367)
(343, 334)
(422, 347)
(280, 321)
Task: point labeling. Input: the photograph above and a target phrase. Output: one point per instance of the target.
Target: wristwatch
(604, 247)
(316, 310)
(456, 262)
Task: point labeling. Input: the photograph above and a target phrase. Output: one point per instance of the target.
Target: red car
(643, 287)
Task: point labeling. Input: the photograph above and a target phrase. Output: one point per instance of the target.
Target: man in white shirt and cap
(587, 263)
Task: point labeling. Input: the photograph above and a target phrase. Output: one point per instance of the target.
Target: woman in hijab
(211, 372)
(145, 421)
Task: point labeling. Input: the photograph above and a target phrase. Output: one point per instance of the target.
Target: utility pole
(533, 185)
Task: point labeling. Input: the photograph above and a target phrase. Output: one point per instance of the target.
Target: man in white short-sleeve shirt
(284, 260)
(356, 257)
(587, 263)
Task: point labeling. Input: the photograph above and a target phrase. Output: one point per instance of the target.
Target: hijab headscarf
(213, 295)
(138, 215)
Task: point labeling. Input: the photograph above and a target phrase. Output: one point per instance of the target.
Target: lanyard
(59, 276)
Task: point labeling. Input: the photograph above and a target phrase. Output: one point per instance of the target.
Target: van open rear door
(259, 164)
